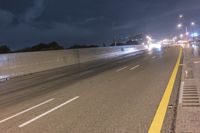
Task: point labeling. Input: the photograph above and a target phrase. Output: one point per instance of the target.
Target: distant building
(131, 40)
(136, 39)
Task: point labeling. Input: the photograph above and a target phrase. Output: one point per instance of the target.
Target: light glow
(179, 25)
(181, 36)
(155, 46)
(194, 34)
(193, 23)
(149, 38)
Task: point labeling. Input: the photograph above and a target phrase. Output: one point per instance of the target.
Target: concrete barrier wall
(18, 64)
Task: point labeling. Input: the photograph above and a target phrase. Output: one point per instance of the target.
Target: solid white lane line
(135, 67)
(118, 70)
(24, 111)
(47, 112)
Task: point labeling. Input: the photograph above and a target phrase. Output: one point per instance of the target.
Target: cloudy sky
(27, 22)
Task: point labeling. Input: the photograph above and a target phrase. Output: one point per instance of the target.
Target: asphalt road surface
(119, 95)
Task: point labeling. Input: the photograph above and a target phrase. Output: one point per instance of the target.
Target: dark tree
(39, 47)
(4, 49)
(77, 46)
(43, 47)
(55, 46)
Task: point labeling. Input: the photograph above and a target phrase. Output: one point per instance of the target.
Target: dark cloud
(6, 18)
(34, 11)
(26, 22)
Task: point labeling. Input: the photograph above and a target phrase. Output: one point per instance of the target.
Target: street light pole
(186, 33)
(180, 25)
(192, 25)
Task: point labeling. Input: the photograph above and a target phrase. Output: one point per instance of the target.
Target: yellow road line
(158, 120)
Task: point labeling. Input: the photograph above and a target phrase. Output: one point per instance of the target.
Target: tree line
(43, 47)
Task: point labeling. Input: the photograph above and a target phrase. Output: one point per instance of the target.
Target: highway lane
(42, 82)
(117, 95)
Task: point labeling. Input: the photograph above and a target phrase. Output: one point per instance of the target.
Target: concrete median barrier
(18, 64)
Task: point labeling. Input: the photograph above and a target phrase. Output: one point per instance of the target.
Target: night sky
(25, 23)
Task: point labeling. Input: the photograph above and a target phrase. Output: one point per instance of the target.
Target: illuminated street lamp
(192, 28)
(181, 36)
(181, 16)
(179, 25)
(192, 23)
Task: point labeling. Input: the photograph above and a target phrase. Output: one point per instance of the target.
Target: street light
(192, 28)
(181, 16)
(181, 36)
(192, 23)
(179, 25)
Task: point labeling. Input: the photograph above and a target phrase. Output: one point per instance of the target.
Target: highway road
(118, 95)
